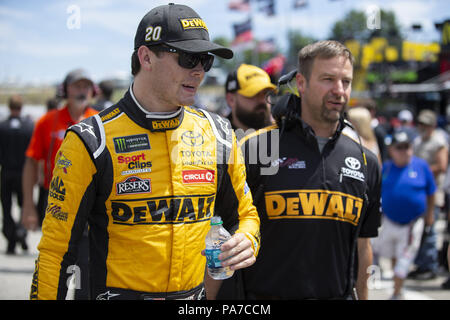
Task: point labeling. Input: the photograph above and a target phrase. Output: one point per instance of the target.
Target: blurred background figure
(245, 90)
(406, 118)
(15, 134)
(52, 104)
(378, 129)
(361, 119)
(407, 194)
(431, 145)
(106, 89)
(77, 90)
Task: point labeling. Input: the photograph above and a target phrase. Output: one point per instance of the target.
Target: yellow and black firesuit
(147, 184)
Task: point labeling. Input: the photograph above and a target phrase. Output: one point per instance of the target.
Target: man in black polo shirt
(320, 209)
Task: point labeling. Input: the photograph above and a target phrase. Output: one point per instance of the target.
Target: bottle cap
(216, 220)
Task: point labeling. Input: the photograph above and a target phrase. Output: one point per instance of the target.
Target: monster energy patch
(131, 143)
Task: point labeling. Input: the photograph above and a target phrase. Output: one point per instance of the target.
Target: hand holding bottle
(226, 253)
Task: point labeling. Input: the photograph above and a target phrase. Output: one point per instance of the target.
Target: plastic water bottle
(214, 239)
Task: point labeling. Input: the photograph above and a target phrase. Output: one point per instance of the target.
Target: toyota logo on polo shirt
(352, 163)
(192, 138)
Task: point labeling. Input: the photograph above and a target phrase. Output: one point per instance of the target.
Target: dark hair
(136, 64)
(107, 88)
(52, 104)
(326, 49)
(15, 102)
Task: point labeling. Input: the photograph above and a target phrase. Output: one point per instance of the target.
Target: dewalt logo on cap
(253, 75)
(193, 23)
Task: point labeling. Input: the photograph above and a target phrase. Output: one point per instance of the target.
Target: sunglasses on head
(190, 60)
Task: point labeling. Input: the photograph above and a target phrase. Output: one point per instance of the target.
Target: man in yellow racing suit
(147, 184)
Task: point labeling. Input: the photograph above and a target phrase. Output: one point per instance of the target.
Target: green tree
(225, 64)
(354, 26)
(297, 40)
(389, 29)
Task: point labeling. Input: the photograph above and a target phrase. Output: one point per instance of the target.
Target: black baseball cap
(180, 27)
(400, 137)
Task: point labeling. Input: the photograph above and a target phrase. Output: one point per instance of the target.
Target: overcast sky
(40, 42)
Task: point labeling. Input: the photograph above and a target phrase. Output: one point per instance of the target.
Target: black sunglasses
(402, 147)
(190, 60)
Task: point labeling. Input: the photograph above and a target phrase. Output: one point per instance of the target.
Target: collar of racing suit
(153, 121)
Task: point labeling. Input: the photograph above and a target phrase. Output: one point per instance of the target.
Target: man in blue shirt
(407, 194)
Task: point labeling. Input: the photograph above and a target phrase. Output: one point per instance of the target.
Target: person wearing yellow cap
(246, 89)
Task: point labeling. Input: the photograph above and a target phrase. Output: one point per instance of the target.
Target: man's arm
(244, 244)
(364, 261)
(65, 220)
(429, 213)
(371, 221)
(212, 286)
(441, 161)
(448, 233)
(243, 256)
(235, 204)
(448, 257)
(29, 180)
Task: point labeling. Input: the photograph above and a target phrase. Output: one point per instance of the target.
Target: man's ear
(231, 99)
(146, 57)
(301, 83)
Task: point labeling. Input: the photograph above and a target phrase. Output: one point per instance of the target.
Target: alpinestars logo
(133, 185)
(106, 295)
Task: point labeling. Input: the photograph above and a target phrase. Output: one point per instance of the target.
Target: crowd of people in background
(412, 149)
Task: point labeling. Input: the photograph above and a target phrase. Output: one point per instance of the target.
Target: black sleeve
(226, 205)
(372, 216)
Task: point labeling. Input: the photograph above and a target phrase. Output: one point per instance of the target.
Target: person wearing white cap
(406, 124)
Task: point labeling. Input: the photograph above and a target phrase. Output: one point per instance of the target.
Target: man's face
(253, 112)
(401, 153)
(425, 130)
(79, 93)
(172, 84)
(325, 95)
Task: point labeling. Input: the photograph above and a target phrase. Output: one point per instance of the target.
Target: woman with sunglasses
(147, 174)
